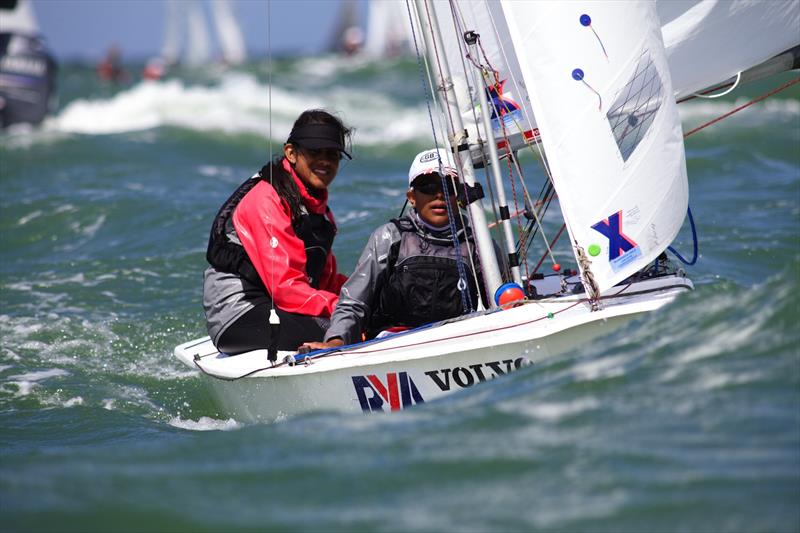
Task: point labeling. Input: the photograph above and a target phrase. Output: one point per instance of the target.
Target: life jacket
(226, 253)
(421, 282)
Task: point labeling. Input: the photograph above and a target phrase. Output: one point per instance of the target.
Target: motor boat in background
(27, 69)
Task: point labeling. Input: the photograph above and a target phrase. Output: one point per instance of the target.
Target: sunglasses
(331, 154)
(433, 187)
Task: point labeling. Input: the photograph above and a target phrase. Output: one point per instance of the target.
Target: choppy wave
(682, 420)
(239, 103)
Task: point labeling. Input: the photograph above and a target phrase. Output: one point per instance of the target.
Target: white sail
(21, 19)
(600, 89)
(388, 30)
(187, 38)
(230, 36)
(709, 41)
(198, 47)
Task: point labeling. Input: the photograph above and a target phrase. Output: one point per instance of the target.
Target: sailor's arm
(358, 294)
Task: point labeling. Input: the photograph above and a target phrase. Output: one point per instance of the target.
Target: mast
(471, 39)
(460, 146)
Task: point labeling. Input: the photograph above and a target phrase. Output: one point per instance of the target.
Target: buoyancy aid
(421, 282)
(226, 253)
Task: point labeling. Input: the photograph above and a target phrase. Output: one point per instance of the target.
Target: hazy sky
(85, 28)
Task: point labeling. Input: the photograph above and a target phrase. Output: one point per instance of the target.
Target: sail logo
(618, 243)
(504, 104)
(399, 391)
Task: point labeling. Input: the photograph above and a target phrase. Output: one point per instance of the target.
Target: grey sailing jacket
(358, 294)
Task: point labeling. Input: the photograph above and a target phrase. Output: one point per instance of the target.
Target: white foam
(30, 216)
(726, 340)
(553, 412)
(714, 380)
(205, 423)
(40, 375)
(91, 229)
(25, 383)
(352, 215)
(73, 402)
(238, 103)
(213, 171)
(601, 368)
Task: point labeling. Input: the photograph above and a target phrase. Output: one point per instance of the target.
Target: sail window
(635, 106)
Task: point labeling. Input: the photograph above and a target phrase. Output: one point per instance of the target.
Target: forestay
(600, 89)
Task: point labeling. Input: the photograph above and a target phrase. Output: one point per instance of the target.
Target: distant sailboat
(386, 34)
(388, 29)
(27, 69)
(348, 35)
(187, 39)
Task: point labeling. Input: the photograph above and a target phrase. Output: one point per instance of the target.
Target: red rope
(748, 104)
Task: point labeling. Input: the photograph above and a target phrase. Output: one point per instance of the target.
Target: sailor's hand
(311, 346)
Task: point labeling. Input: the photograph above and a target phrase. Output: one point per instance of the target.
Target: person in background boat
(270, 246)
(110, 69)
(409, 272)
(154, 69)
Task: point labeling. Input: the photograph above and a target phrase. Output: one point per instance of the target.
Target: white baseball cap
(427, 162)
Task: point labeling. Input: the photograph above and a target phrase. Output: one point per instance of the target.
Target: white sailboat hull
(423, 364)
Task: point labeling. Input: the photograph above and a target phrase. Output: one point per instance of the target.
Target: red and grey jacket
(255, 237)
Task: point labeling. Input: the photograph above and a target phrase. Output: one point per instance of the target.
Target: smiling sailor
(270, 246)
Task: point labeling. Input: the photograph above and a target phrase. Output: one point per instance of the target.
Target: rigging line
(458, 29)
(723, 93)
(707, 91)
(274, 321)
(473, 85)
(440, 70)
(522, 248)
(537, 224)
(482, 82)
(501, 48)
(694, 242)
(748, 104)
(466, 298)
(520, 127)
(552, 243)
(540, 208)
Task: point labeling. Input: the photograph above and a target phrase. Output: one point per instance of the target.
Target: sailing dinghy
(588, 84)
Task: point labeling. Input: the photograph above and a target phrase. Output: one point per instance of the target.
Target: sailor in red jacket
(270, 246)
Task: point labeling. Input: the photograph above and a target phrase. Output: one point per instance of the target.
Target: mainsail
(186, 28)
(710, 41)
(228, 32)
(600, 88)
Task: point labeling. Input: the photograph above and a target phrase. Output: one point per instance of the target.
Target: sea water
(687, 419)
